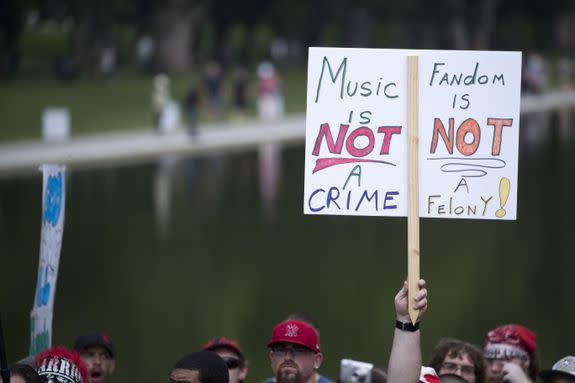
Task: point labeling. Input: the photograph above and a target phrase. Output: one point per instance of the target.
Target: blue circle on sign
(53, 199)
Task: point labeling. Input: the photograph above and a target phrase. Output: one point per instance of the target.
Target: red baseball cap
(223, 342)
(297, 332)
(510, 336)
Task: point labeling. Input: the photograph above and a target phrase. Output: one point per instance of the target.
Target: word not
(321, 199)
(451, 79)
(349, 88)
(437, 205)
(350, 146)
(469, 126)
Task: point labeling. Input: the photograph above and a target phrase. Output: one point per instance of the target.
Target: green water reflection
(221, 269)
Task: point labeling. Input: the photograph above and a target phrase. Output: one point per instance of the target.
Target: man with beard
(98, 353)
(510, 355)
(295, 350)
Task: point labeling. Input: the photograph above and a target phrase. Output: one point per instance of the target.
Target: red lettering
(324, 131)
(388, 132)
(447, 138)
(498, 124)
(468, 126)
(350, 143)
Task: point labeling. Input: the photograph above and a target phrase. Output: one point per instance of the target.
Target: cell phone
(354, 371)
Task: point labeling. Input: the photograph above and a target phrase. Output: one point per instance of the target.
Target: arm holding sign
(405, 358)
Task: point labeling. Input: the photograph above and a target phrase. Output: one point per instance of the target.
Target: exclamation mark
(504, 186)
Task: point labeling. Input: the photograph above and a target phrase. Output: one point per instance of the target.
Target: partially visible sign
(53, 207)
(356, 133)
(40, 329)
(56, 124)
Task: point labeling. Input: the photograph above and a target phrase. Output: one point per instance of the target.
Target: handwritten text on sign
(53, 208)
(356, 133)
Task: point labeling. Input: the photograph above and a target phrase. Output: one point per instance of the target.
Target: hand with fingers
(514, 373)
(401, 301)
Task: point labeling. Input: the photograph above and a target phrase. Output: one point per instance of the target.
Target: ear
(317, 360)
(243, 371)
(112, 365)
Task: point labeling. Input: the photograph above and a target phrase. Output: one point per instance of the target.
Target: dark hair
(456, 348)
(533, 369)
(304, 317)
(26, 372)
(211, 368)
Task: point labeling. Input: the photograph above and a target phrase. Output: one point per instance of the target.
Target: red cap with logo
(504, 339)
(297, 332)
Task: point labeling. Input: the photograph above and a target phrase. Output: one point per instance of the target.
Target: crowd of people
(207, 95)
(509, 355)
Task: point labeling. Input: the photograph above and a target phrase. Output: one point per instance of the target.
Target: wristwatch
(407, 326)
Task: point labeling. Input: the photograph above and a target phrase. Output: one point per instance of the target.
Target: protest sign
(53, 208)
(356, 135)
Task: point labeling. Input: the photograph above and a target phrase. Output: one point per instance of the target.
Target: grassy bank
(119, 103)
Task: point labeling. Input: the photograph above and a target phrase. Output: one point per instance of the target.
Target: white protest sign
(53, 208)
(356, 133)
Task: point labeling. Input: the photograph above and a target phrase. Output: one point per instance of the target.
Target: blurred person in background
(563, 371)
(200, 367)
(229, 350)
(509, 354)
(270, 99)
(23, 373)
(456, 357)
(160, 99)
(213, 79)
(60, 365)
(98, 353)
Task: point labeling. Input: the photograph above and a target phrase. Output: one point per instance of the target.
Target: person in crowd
(98, 353)
(60, 365)
(23, 373)
(456, 357)
(160, 99)
(229, 350)
(200, 367)
(295, 352)
(563, 371)
(295, 349)
(213, 80)
(510, 356)
(405, 359)
(306, 318)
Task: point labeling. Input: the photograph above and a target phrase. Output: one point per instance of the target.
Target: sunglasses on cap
(232, 363)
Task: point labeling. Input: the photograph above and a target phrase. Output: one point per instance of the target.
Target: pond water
(166, 255)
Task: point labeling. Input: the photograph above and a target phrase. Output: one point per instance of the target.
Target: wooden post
(413, 182)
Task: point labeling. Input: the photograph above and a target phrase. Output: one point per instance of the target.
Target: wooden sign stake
(413, 183)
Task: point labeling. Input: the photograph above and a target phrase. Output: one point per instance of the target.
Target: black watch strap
(407, 326)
